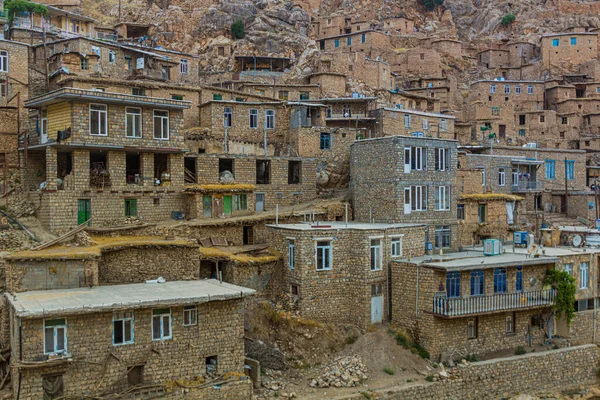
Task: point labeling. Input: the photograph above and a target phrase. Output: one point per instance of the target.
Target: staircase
(556, 219)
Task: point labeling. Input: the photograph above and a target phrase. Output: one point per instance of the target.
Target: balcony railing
(526, 186)
(106, 36)
(457, 307)
(350, 116)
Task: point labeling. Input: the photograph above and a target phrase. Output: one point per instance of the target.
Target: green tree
(237, 29)
(508, 19)
(15, 6)
(564, 284)
(431, 4)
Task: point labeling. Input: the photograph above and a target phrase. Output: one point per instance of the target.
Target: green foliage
(430, 5)
(508, 19)
(421, 351)
(429, 378)
(520, 350)
(403, 340)
(389, 371)
(237, 29)
(14, 6)
(471, 358)
(351, 339)
(564, 304)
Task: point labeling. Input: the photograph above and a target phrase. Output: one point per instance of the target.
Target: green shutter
(227, 205)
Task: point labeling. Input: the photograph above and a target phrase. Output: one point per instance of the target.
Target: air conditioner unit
(520, 238)
(531, 145)
(492, 247)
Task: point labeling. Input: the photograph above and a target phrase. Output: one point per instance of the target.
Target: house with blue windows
(470, 302)
(572, 47)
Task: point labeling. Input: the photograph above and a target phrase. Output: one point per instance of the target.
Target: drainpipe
(417, 294)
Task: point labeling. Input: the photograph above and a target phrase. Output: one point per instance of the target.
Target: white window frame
(44, 124)
(483, 175)
(162, 119)
(327, 261)
(253, 118)
(124, 316)
(190, 315)
(291, 243)
(136, 122)
(376, 253)
(502, 176)
(55, 328)
(184, 66)
(407, 120)
(419, 193)
(442, 198)
(443, 159)
(425, 123)
(101, 114)
(270, 119)
(4, 61)
(443, 125)
(112, 57)
(227, 122)
(493, 88)
(518, 89)
(419, 156)
(530, 89)
(568, 268)
(584, 275)
(396, 246)
(515, 177)
(506, 89)
(162, 328)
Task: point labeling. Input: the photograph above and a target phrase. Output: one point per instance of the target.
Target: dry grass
(213, 253)
(489, 196)
(220, 188)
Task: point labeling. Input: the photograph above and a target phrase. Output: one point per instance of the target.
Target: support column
(147, 160)
(51, 168)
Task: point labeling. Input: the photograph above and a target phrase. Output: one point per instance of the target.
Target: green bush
(389, 371)
(431, 4)
(237, 29)
(429, 378)
(520, 350)
(508, 19)
(403, 340)
(471, 358)
(421, 351)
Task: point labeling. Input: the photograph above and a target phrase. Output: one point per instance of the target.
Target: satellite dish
(577, 240)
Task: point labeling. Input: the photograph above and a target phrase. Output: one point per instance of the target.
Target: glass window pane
(118, 331)
(166, 326)
(49, 339)
(60, 339)
(127, 330)
(156, 327)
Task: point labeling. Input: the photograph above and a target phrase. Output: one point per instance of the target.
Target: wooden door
(227, 205)
(84, 210)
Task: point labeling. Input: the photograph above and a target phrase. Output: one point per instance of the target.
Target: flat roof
(337, 225)
(504, 81)
(42, 303)
(475, 259)
(69, 94)
(400, 137)
(352, 34)
(568, 34)
(417, 112)
(342, 99)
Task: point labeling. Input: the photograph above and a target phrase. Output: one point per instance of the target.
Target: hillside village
(314, 199)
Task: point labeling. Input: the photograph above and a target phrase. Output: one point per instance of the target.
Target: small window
(98, 120)
(376, 290)
(349, 40)
(506, 89)
(253, 118)
(190, 315)
(510, 323)
(4, 61)
(270, 114)
(376, 262)
(442, 236)
(324, 256)
(325, 143)
(492, 88)
(112, 57)
(263, 172)
(518, 89)
(240, 202)
(568, 268)
(84, 64)
(396, 247)
(55, 336)
(472, 328)
(217, 96)
(304, 95)
(123, 328)
(176, 97)
(131, 207)
(227, 117)
(542, 118)
(530, 89)
(564, 120)
(211, 365)
(364, 38)
(294, 290)
(481, 213)
(291, 253)
(184, 67)
(460, 211)
(336, 43)
(584, 275)
(573, 41)
(294, 172)
(284, 95)
(555, 42)
(500, 280)
(570, 166)
(161, 125)
(442, 198)
(407, 120)
(502, 176)
(161, 324)
(128, 63)
(133, 122)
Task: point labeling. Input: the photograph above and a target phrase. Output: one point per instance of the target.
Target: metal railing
(106, 36)
(455, 307)
(524, 186)
(351, 116)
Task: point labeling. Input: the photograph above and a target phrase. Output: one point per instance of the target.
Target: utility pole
(566, 189)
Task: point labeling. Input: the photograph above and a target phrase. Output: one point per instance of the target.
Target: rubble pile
(12, 240)
(82, 239)
(346, 371)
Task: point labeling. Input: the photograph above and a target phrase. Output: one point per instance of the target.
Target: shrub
(520, 350)
(471, 358)
(422, 352)
(351, 339)
(403, 340)
(429, 378)
(564, 304)
(508, 19)
(237, 29)
(431, 4)
(389, 371)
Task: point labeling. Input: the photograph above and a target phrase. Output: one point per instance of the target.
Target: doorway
(260, 202)
(248, 234)
(377, 303)
(84, 211)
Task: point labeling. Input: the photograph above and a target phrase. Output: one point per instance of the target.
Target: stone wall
(26, 275)
(219, 332)
(542, 372)
(136, 265)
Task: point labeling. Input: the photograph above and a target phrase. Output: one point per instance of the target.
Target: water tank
(492, 247)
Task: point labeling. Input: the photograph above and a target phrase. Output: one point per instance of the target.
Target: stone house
(373, 71)
(281, 91)
(106, 155)
(407, 122)
(447, 47)
(522, 52)
(404, 99)
(401, 25)
(349, 112)
(469, 303)
(338, 272)
(337, 25)
(198, 324)
(258, 67)
(14, 81)
(332, 84)
(365, 41)
(494, 58)
(419, 61)
(568, 49)
(409, 180)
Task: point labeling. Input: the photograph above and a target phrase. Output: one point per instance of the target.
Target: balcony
(474, 305)
(348, 116)
(106, 36)
(151, 74)
(528, 186)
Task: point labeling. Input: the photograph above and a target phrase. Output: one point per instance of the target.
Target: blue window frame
(500, 280)
(325, 141)
(336, 43)
(349, 40)
(550, 169)
(364, 38)
(570, 169)
(555, 42)
(477, 283)
(519, 283)
(453, 284)
(573, 41)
